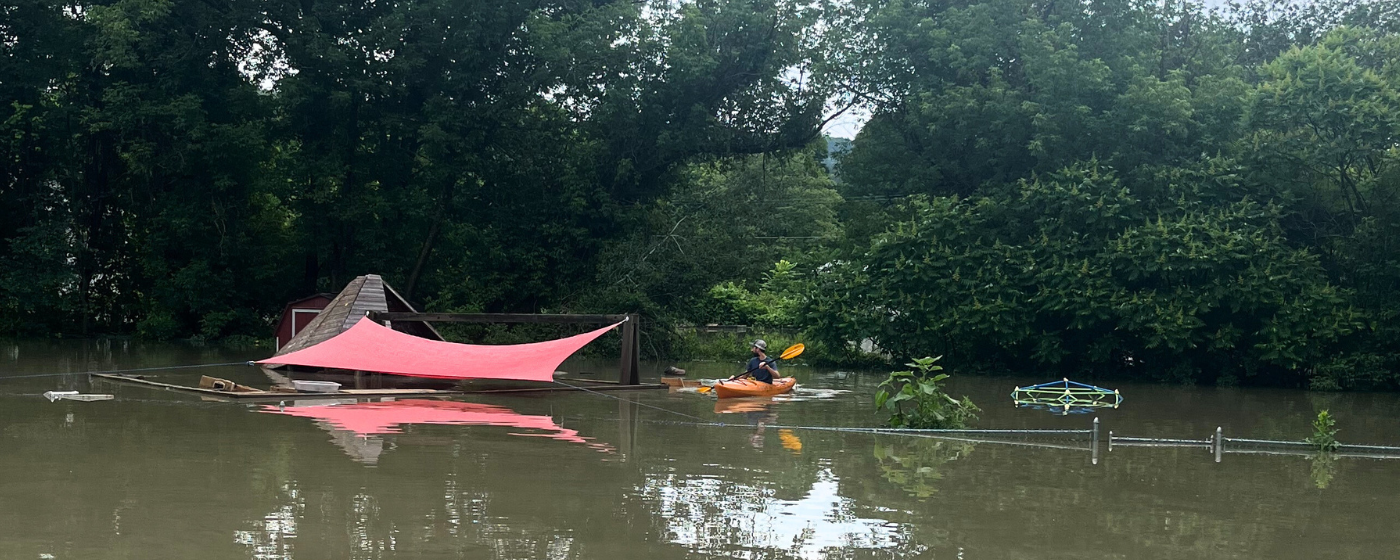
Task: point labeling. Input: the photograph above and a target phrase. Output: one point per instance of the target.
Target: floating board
(258, 394)
(275, 395)
(76, 396)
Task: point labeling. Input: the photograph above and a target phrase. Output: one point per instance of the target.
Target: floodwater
(155, 474)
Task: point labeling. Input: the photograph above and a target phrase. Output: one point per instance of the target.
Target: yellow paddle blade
(704, 389)
(792, 351)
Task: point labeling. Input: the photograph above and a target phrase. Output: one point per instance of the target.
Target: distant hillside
(835, 147)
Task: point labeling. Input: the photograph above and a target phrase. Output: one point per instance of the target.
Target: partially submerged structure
(1065, 397)
(370, 333)
(362, 296)
(297, 315)
(369, 327)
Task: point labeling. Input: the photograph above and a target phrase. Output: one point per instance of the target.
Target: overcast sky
(848, 124)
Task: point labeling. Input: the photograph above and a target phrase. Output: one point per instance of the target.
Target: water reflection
(272, 536)
(745, 520)
(353, 423)
(760, 407)
(154, 474)
(757, 412)
(1324, 467)
(915, 465)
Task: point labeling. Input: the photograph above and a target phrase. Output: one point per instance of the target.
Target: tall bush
(1074, 272)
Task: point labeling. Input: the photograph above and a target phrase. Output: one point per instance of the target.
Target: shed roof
(361, 296)
(308, 298)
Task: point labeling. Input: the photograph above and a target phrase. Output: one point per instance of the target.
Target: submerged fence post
(1219, 442)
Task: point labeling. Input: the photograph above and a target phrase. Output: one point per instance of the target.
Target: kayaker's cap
(761, 345)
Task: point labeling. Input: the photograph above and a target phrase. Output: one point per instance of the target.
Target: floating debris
(76, 396)
(1066, 397)
(316, 386)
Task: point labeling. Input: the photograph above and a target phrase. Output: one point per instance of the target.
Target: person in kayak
(761, 366)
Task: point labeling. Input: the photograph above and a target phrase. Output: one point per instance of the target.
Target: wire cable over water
(891, 431)
(653, 407)
(131, 370)
(698, 421)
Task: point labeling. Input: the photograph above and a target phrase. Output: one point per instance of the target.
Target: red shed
(298, 314)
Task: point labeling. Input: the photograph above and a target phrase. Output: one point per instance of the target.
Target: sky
(848, 124)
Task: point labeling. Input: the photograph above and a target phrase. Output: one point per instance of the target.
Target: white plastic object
(316, 386)
(76, 396)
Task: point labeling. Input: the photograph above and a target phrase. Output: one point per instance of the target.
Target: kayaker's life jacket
(758, 372)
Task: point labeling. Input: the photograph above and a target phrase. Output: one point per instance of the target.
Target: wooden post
(628, 369)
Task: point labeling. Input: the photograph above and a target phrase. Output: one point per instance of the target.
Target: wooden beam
(381, 316)
(278, 395)
(717, 328)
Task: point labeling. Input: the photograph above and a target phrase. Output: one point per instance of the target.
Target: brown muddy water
(155, 474)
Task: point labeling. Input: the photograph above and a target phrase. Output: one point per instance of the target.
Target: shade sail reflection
(375, 418)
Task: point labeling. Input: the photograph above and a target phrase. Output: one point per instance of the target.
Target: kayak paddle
(791, 352)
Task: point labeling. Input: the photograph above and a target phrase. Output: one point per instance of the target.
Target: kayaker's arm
(764, 364)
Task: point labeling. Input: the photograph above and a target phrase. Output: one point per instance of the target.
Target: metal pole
(1094, 458)
(1110, 440)
(1219, 443)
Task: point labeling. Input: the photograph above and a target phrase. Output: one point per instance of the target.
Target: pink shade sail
(369, 346)
(373, 418)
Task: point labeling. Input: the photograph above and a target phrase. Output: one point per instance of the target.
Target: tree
(971, 94)
(1075, 272)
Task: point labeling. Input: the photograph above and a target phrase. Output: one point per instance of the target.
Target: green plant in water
(1324, 432)
(915, 399)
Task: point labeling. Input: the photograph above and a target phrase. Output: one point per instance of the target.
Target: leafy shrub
(158, 325)
(728, 347)
(1324, 432)
(774, 305)
(915, 399)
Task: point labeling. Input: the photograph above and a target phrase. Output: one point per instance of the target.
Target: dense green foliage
(1146, 190)
(1104, 187)
(1072, 270)
(176, 168)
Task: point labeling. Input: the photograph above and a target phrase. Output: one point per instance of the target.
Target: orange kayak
(752, 388)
